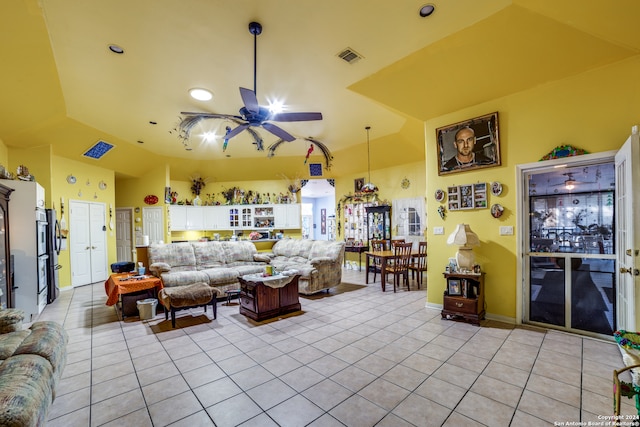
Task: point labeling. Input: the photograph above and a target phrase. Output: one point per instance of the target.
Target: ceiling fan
(570, 182)
(251, 114)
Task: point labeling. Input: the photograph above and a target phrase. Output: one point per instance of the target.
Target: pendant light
(368, 187)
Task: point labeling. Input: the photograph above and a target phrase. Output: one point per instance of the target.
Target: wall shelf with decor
(464, 297)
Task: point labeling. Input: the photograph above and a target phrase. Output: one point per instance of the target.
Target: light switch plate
(438, 230)
(506, 230)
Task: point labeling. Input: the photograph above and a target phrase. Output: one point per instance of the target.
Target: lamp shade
(463, 236)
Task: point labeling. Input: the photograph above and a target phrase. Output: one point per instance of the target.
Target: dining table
(384, 257)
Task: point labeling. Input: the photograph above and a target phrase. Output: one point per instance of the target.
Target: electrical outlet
(506, 230)
(438, 230)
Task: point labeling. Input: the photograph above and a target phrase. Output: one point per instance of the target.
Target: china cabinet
(378, 222)
(6, 277)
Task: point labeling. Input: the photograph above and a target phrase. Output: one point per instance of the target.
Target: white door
(124, 235)
(87, 242)
(627, 236)
(153, 224)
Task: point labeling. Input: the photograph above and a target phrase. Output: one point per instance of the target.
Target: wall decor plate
(439, 195)
(151, 199)
(71, 179)
(497, 210)
(102, 185)
(405, 183)
(496, 188)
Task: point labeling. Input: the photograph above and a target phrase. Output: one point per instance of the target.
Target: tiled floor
(354, 357)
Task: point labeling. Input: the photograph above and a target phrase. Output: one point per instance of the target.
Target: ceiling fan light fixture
(569, 185)
(200, 94)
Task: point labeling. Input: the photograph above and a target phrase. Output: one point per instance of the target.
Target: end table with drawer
(464, 297)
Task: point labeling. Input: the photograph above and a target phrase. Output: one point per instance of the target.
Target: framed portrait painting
(468, 145)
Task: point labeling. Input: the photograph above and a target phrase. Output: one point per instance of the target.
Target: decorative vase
(197, 201)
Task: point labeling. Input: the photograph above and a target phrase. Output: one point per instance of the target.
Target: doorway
(152, 225)
(320, 196)
(87, 242)
(124, 234)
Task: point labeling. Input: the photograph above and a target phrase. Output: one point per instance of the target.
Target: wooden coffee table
(267, 297)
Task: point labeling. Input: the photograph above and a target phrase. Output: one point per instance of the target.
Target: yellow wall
(86, 189)
(4, 154)
(593, 111)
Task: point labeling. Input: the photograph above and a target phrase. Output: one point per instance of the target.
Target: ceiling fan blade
(279, 132)
(236, 131)
(296, 117)
(250, 100)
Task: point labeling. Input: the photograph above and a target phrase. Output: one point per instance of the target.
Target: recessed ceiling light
(200, 94)
(116, 49)
(426, 10)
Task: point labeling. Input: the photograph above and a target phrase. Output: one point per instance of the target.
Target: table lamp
(466, 239)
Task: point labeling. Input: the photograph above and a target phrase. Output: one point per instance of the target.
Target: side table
(266, 297)
(119, 285)
(356, 249)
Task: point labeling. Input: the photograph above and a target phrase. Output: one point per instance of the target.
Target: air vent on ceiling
(98, 150)
(350, 55)
(315, 169)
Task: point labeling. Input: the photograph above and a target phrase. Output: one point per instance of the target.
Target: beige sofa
(219, 264)
(31, 364)
(216, 263)
(319, 262)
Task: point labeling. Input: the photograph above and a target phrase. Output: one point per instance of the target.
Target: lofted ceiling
(62, 86)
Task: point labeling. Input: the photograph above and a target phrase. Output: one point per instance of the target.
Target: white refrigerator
(28, 240)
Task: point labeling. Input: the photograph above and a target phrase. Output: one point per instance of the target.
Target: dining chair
(377, 245)
(400, 267)
(418, 263)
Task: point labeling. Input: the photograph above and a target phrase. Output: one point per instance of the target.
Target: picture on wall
(469, 196)
(468, 145)
(357, 184)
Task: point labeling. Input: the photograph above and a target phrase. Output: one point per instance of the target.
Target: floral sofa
(31, 364)
(219, 264)
(216, 263)
(319, 262)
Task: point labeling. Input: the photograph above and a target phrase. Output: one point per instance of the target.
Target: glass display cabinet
(378, 222)
(6, 283)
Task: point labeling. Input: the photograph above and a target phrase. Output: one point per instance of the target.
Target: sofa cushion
(159, 267)
(292, 247)
(209, 254)
(27, 390)
(221, 276)
(11, 320)
(249, 269)
(10, 342)
(182, 278)
(325, 248)
(242, 251)
(186, 296)
(48, 340)
(180, 256)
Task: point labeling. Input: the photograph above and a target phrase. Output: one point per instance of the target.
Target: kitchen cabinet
(235, 217)
(186, 217)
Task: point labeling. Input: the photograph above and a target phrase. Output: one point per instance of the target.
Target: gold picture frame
(468, 145)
